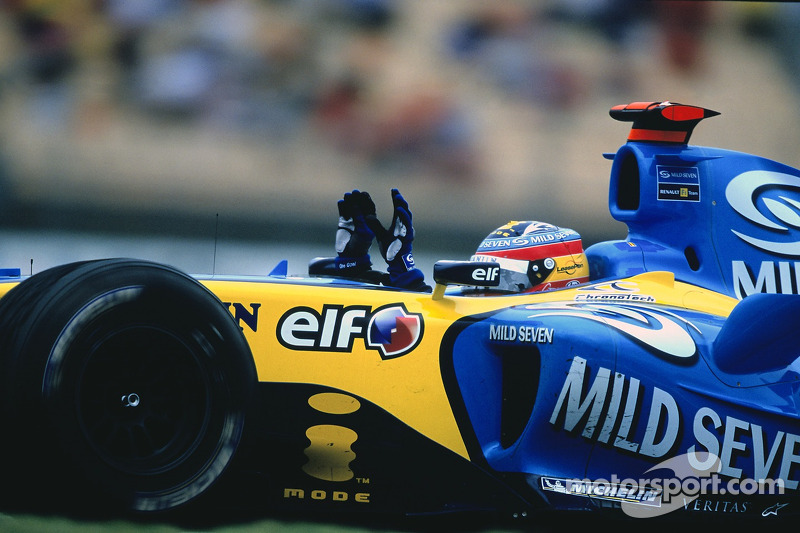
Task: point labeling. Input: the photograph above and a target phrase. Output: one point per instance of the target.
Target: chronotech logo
(391, 329)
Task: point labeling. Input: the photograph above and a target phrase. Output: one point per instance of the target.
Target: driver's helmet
(535, 256)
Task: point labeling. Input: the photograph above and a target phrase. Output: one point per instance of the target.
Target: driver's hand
(353, 235)
(395, 244)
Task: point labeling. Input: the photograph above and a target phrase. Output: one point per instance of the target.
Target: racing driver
(533, 256)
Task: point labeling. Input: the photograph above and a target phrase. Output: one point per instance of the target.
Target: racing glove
(353, 235)
(395, 244)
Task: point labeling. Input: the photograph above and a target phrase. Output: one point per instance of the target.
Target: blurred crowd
(271, 68)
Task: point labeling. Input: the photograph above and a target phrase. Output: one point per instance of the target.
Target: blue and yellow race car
(657, 376)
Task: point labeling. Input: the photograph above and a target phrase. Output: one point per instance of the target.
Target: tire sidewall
(65, 339)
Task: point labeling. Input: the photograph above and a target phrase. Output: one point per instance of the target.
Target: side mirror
(471, 273)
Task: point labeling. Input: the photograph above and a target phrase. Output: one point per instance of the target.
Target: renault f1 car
(132, 383)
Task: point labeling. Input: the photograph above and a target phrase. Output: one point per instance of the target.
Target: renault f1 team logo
(391, 329)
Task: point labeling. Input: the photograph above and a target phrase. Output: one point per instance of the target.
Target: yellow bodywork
(410, 387)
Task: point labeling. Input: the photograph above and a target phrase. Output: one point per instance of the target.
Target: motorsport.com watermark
(650, 497)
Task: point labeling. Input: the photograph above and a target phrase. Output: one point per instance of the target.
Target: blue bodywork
(596, 391)
(735, 230)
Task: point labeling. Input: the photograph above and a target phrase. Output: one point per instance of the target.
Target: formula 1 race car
(665, 385)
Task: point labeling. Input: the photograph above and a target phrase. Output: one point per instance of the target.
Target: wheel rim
(143, 401)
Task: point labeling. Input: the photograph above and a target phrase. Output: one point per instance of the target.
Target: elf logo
(391, 329)
(489, 274)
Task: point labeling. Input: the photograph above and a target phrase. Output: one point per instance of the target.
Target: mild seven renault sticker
(680, 184)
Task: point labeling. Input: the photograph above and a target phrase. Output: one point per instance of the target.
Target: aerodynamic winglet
(665, 122)
(281, 270)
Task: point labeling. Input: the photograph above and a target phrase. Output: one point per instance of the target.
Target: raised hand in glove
(395, 244)
(354, 236)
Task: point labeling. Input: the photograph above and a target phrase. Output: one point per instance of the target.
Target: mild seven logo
(680, 184)
(770, 203)
(744, 195)
(678, 174)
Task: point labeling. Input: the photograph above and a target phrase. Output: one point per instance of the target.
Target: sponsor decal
(243, 315)
(743, 196)
(781, 277)
(570, 268)
(715, 506)
(773, 510)
(685, 193)
(330, 452)
(601, 411)
(576, 412)
(617, 291)
(408, 261)
(661, 330)
(672, 174)
(681, 486)
(678, 183)
(347, 264)
(391, 329)
(326, 495)
(770, 201)
(603, 490)
(522, 334)
(527, 240)
(489, 274)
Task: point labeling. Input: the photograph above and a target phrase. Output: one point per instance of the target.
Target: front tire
(131, 373)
